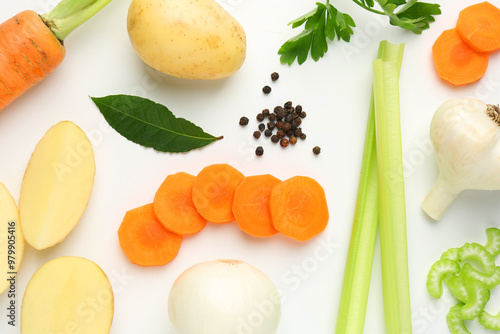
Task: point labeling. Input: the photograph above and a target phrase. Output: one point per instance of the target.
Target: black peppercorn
(297, 132)
(262, 127)
(303, 136)
(280, 134)
(271, 125)
(275, 76)
(259, 150)
(281, 114)
(287, 127)
(256, 134)
(284, 142)
(296, 122)
(295, 115)
(288, 104)
(289, 133)
(266, 89)
(293, 140)
(289, 119)
(279, 124)
(265, 112)
(272, 117)
(268, 133)
(243, 121)
(317, 150)
(303, 114)
(275, 138)
(298, 108)
(260, 117)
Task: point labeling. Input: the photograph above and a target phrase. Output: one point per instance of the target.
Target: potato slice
(11, 239)
(57, 185)
(68, 295)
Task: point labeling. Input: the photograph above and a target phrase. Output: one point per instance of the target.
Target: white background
(335, 93)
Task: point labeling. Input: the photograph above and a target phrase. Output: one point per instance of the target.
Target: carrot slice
(29, 52)
(251, 205)
(479, 27)
(455, 61)
(213, 192)
(173, 205)
(144, 240)
(299, 208)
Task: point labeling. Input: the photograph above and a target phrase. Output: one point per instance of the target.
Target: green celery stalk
(393, 237)
(357, 274)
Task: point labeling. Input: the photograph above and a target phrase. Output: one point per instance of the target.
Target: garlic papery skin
(224, 297)
(465, 135)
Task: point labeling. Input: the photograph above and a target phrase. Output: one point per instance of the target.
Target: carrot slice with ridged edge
(479, 26)
(455, 61)
(145, 241)
(213, 192)
(251, 205)
(299, 208)
(173, 205)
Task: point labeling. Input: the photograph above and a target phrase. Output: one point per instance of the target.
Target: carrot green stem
(393, 238)
(357, 275)
(70, 14)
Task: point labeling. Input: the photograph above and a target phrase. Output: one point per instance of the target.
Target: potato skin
(190, 39)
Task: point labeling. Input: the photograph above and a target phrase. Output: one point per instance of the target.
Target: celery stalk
(393, 237)
(354, 295)
(70, 14)
(356, 283)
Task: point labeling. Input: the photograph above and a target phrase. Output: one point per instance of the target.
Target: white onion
(465, 134)
(224, 297)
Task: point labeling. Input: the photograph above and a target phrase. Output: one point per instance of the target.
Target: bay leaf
(151, 124)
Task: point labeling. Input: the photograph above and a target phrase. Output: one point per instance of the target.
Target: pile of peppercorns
(285, 120)
(283, 125)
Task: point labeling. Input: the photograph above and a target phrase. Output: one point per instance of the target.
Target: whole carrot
(31, 45)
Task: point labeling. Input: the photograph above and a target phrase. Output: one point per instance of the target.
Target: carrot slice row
(461, 54)
(262, 205)
(251, 205)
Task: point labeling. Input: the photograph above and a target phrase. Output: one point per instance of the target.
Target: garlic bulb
(465, 134)
(224, 297)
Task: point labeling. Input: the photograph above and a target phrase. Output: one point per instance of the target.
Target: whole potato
(190, 39)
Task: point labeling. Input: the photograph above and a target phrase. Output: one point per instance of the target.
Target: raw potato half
(68, 295)
(56, 186)
(11, 238)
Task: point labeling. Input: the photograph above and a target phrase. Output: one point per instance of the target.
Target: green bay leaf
(151, 124)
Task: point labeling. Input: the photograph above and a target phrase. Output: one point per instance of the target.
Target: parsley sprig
(326, 22)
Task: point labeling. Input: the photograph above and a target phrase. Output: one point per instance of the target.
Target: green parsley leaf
(325, 23)
(150, 124)
(420, 15)
(322, 23)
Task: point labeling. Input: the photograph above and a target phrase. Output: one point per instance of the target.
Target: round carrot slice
(455, 61)
(479, 26)
(145, 241)
(299, 208)
(173, 205)
(251, 205)
(213, 192)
